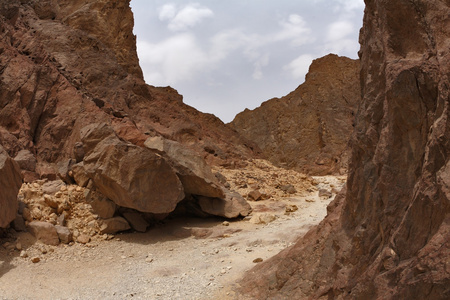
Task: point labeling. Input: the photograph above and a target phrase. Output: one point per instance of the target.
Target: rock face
(65, 65)
(388, 237)
(308, 130)
(10, 182)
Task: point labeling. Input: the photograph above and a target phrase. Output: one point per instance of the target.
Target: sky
(224, 56)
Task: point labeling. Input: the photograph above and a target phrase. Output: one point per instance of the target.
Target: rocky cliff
(67, 65)
(308, 130)
(388, 237)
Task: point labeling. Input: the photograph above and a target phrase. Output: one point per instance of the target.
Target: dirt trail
(180, 259)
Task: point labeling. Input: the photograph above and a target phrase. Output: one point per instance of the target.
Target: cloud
(339, 30)
(181, 19)
(299, 66)
(183, 56)
(295, 30)
(259, 64)
(172, 60)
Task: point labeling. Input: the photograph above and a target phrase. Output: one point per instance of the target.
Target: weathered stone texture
(389, 236)
(308, 130)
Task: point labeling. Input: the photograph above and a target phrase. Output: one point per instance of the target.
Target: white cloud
(259, 64)
(172, 60)
(339, 30)
(299, 66)
(181, 19)
(294, 29)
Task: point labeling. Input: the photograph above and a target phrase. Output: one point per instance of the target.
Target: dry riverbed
(187, 258)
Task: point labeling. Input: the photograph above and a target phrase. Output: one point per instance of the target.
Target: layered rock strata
(308, 130)
(388, 237)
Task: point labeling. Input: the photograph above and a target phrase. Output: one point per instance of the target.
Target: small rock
(291, 208)
(255, 195)
(310, 200)
(264, 218)
(149, 260)
(257, 260)
(324, 193)
(136, 221)
(35, 259)
(288, 188)
(44, 232)
(19, 246)
(226, 223)
(83, 239)
(114, 225)
(64, 234)
(23, 254)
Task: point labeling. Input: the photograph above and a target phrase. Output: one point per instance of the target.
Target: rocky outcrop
(308, 130)
(388, 237)
(67, 64)
(10, 182)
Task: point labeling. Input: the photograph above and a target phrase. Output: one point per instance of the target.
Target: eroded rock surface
(388, 237)
(308, 130)
(10, 183)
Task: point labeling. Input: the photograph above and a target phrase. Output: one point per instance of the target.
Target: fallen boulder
(193, 171)
(131, 176)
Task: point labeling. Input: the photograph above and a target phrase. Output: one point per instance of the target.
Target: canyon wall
(73, 104)
(67, 64)
(308, 130)
(388, 235)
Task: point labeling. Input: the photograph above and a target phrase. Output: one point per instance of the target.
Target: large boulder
(129, 175)
(195, 175)
(10, 183)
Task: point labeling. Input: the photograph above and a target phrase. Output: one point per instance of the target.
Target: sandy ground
(179, 259)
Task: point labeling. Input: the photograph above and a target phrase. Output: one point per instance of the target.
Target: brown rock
(255, 195)
(136, 221)
(308, 130)
(129, 175)
(83, 239)
(114, 225)
(101, 205)
(64, 234)
(233, 206)
(51, 187)
(44, 232)
(195, 175)
(10, 183)
(69, 64)
(26, 160)
(19, 224)
(388, 237)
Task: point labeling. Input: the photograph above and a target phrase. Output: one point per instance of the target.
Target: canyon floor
(180, 258)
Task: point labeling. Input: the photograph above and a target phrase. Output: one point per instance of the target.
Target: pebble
(258, 260)
(35, 259)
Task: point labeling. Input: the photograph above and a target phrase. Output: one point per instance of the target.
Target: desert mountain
(308, 130)
(388, 236)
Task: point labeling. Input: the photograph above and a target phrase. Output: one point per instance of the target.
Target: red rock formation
(389, 236)
(309, 129)
(67, 64)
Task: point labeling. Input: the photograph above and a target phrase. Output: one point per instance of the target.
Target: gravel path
(180, 259)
